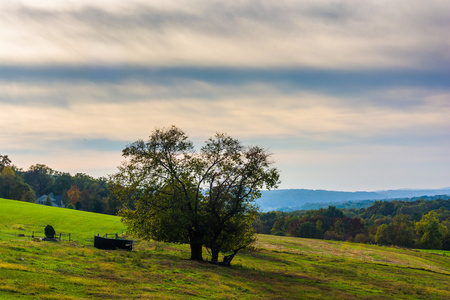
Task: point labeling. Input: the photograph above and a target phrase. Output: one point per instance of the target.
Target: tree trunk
(215, 255)
(215, 249)
(196, 252)
(227, 260)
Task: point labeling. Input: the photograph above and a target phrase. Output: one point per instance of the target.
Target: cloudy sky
(347, 95)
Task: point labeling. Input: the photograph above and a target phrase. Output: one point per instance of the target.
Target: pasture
(277, 267)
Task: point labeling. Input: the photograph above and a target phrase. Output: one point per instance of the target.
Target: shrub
(446, 242)
(332, 235)
(50, 232)
(361, 238)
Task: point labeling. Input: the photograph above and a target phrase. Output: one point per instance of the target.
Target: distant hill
(298, 199)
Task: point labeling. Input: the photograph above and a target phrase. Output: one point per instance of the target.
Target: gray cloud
(364, 91)
(116, 109)
(347, 94)
(244, 33)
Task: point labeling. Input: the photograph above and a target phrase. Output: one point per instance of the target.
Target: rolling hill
(25, 218)
(298, 199)
(276, 268)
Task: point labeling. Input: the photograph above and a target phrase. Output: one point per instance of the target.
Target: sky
(347, 95)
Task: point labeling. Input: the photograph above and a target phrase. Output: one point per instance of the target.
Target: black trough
(111, 244)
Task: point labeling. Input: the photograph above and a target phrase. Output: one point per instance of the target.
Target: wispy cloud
(129, 109)
(323, 34)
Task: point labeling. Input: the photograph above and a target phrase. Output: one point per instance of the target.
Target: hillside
(24, 218)
(298, 199)
(278, 267)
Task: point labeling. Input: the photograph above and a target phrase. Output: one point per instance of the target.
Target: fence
(62, 237)
(112, 235)
(65, 237)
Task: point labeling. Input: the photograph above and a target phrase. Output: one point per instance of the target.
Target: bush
(49, 232)
(361, 238)
(331, 235)
(279, 233)
(446, 242)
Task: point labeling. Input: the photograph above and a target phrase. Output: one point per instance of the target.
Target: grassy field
(278, 267)
(24, 218)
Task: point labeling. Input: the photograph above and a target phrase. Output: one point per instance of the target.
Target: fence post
(60, 236)
(33, 235)
(69, 237)
(117, 236)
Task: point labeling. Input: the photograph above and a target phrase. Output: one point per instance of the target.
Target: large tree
(173, 193)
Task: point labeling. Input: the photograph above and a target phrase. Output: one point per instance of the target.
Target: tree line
(168, 190)
(413, 224)
(79, 191)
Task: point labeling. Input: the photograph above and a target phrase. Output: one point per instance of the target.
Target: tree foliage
(13, 187)
(400, 232)
(173, 193)
(48, 201)
(92, 194)
(74, 194)
(40, 178)
(422, 223)
(431, 231)
(5, 161)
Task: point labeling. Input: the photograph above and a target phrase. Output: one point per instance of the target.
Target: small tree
(48, 201)
(78, 205)
(402, 231)
(49, 232)
(74, 194)
(431, 231)
(383, 235)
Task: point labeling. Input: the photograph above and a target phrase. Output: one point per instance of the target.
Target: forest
(410, 224)
(79, 191)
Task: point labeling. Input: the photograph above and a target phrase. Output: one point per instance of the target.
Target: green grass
(441, 252)
(24, 218)
(278, 268)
